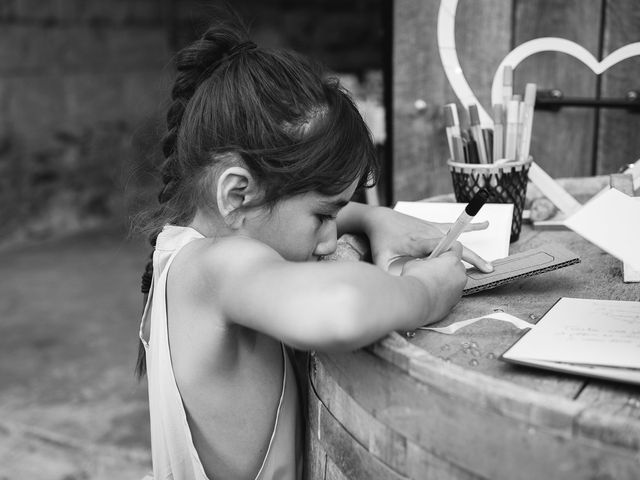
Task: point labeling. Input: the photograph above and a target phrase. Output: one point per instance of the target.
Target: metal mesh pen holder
(506, 183)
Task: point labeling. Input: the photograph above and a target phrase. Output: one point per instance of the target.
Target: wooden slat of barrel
(333, 472)
(347, 455)
(611, 414)
(403, 456)
(315, 459)
(473, 436)
(513, 401)
(470, 435)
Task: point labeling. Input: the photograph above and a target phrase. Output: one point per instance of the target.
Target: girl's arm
(392, 234)
(326, 305)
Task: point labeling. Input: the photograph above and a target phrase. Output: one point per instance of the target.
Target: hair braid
(193, 64)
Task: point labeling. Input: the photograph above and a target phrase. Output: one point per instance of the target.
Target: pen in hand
(463, 220)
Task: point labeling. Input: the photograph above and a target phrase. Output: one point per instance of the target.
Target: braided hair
(295, 129)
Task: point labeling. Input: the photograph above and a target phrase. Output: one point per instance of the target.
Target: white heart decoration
(453, 71)
(562, 45)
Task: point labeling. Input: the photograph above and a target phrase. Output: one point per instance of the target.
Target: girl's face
(303, 227)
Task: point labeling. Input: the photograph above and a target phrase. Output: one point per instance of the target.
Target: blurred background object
(83, 85)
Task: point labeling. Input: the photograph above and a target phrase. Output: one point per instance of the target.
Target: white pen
(511, 132)
(498, 132)
(463, 220)
(527, 124)
(452, 126)
(507, 85)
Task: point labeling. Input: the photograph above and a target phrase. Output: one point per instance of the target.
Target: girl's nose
(328, 241)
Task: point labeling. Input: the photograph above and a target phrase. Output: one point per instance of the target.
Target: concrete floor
(70, 406)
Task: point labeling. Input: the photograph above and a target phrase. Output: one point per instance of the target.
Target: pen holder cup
(506, 183)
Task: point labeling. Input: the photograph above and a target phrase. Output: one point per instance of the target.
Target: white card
(490, 244)
(611, 221)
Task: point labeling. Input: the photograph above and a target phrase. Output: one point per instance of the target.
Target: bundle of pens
(493, 157)
(507, 140)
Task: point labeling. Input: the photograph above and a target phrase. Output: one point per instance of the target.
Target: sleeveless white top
(173, 453)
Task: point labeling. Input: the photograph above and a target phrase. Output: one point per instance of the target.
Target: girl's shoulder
(208, 272)
(221, 257)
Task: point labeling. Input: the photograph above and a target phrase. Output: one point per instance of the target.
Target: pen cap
(507, 75)
(477, 202)
(448, 117)
(451, 115)
(530, 94)
(474, 118)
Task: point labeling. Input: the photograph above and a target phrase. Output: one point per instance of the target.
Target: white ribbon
(504, 317)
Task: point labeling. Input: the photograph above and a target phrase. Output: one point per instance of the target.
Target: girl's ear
(236, 189)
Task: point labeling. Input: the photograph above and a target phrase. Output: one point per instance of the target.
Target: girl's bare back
(230, 377)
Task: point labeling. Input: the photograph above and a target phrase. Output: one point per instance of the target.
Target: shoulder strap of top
(280, 402)
(169, 243)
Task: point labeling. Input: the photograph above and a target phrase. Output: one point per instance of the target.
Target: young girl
(263, 155)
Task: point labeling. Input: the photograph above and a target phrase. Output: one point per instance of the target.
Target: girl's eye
(325, 218)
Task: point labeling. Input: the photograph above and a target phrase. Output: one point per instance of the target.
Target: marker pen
(476, 133)
(472, 150)
(463, 220)
(458, 149)
(487, 135)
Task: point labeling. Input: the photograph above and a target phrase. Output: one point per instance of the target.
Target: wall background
(83, 84)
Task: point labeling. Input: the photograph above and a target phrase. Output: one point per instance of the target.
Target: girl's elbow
(337, 320)
(346, 328)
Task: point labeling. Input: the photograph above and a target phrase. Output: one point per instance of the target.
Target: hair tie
(230, 54)
(240, 48)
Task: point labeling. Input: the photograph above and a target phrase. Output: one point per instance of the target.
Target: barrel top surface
(477, 347)
(469, 358)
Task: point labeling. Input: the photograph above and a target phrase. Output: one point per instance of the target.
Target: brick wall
(83, 84)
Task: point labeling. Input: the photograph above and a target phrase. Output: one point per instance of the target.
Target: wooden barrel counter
(436, 406)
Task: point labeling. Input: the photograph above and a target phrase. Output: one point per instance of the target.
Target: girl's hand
(393, 235)
(444, 277)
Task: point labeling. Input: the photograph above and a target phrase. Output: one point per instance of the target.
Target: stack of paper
(598, 338)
